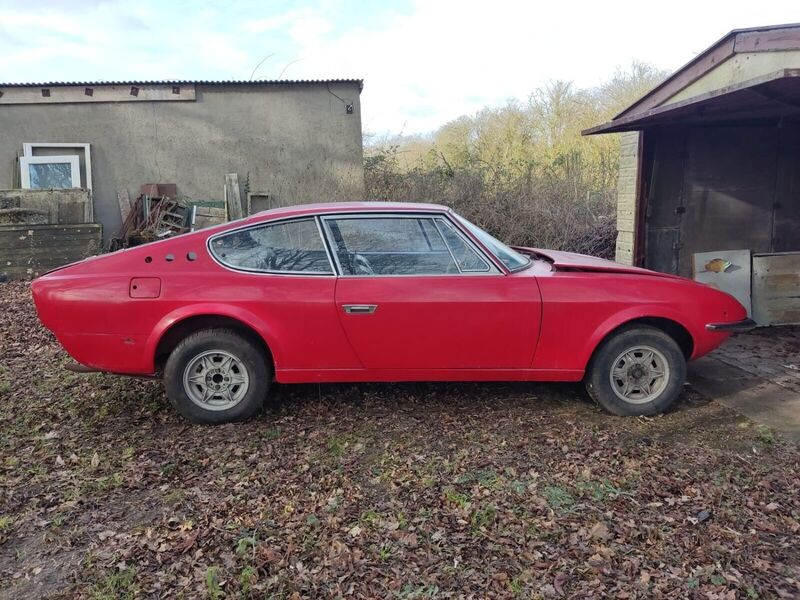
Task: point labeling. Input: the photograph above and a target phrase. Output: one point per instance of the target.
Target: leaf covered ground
(379, 491)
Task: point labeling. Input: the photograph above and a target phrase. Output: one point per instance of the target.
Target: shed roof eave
(639, 121)
(716, 53)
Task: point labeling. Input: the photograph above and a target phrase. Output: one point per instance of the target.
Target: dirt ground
(379, 491)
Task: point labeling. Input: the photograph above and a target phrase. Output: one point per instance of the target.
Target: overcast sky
(424, 62)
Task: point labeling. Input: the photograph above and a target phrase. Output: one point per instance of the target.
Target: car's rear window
(285, 247)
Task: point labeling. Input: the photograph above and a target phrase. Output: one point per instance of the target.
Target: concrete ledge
(763, 401)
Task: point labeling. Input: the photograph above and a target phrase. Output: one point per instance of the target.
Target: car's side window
(286, 247)
(468, 259)
(390, 246)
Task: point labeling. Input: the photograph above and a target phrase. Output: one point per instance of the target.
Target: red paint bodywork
(540, 324)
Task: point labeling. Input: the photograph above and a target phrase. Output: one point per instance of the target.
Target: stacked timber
(41, 230)
(27, 251)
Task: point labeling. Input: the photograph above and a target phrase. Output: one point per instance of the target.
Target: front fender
(214, 309)
(622, 317)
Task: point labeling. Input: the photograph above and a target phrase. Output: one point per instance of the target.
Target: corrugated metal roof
(360, 82)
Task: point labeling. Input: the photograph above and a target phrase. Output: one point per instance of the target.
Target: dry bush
(522, 211)
(522, 171)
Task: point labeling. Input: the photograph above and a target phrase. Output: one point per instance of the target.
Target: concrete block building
(289, 141)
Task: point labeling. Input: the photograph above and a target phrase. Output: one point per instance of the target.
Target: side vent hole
(191, 256)
(148, 259)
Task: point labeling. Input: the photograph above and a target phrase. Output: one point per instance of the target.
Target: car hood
(582, 262)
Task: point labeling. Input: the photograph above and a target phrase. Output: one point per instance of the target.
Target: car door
(284, 276)
(415, 293)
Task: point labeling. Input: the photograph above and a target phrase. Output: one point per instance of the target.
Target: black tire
(612, 354)
(249, 362)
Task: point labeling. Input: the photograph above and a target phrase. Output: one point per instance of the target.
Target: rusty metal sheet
(776, 288)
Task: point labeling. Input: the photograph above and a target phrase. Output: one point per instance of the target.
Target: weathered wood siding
(626, 196)
(738, 69)
(776, 288)
(27, 251)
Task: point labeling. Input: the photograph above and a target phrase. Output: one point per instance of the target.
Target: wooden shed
(711, 162)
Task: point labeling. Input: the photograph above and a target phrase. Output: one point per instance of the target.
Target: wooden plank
(687, 74)
(211, 212)
(45, 245)
(124, 201)
(776, 288)
(768, 41)
(64, 228)
(233, 196)
(47, 262)
(32, 236)
(29, 250)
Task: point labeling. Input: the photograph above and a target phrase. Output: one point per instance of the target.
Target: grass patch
(601, 490)
(115, 586)
(5, 523)
(413, 592)
(457, 498)
(483, 517)
(212, 583)
(337, 445)
(765, 435)
(558, 498)
(246, 545)
(246, 578)
(273, 433)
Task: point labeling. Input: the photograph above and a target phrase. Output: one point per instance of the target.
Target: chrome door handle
(360, 309)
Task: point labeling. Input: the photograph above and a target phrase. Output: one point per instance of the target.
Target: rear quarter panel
(90, 309)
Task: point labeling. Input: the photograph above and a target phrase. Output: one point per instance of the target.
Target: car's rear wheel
(637, 371)
(217, 376)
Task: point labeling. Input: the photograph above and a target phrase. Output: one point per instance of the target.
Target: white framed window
(63, 148)
(50, 172)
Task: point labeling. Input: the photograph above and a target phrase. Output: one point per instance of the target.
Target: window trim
(284, 221)
(458, 233)
(493, 268)
(495, 259)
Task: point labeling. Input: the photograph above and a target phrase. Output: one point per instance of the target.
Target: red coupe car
(377, 292)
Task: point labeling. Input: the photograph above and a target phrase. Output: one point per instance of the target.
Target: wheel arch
(173, 328)
(673, 328)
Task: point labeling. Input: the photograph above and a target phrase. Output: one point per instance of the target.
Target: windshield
(512, 259)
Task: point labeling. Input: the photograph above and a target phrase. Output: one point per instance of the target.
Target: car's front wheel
(638, 371)
(217, 376)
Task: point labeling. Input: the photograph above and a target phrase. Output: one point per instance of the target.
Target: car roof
(343, 207)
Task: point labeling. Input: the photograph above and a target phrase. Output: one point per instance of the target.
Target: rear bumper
(733, 326)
